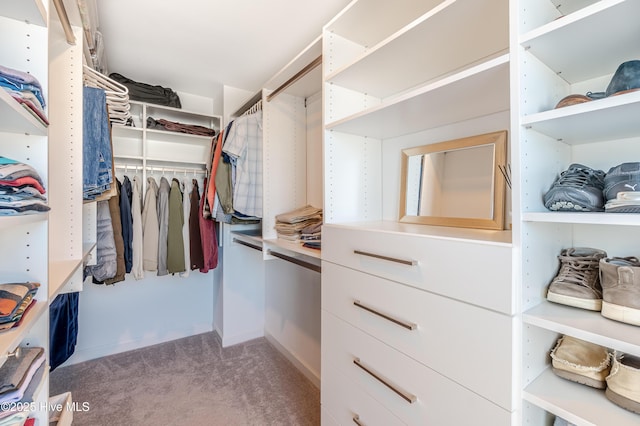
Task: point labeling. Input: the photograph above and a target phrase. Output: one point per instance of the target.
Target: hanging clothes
(105, 266)
(114, 211)
(211, 188)
(186, 210)
(175, 242)
(137, 241)
(150, 226)
(209, 240)
(244, 146)
(127, 222)
(195, 241)
(163, 220)
(63, 328)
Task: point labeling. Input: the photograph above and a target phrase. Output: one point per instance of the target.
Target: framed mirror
(455, 183)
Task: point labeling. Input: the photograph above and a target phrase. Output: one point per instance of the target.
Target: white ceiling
(196, 46)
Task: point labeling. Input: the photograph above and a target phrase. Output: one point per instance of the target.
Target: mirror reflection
(455, 183)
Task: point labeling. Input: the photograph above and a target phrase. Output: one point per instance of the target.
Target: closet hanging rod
(160, 169)
(295, 260)
(64, 20)
(304, 71)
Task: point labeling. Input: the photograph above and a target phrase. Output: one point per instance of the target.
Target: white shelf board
(179, 111)
(368, 22)
(14, 118)
(585, 325)
(169, 163)
(122, 131)
(59, 273)
(7, 222)
(566, 399)
(11, 338)
(588, 218)
(615, 117)
(307, 85)
(32, 11)
(407, 58)
(578, 48)
(481, 236)
(179, 137)
(251, 236)
(292, 246)
(128, 157)
(442, 102)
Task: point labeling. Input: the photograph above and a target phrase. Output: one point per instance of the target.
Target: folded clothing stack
(26, 90)
(15, 300)
(21, 189)
(311, 236)
(20, 376)
(289, 225)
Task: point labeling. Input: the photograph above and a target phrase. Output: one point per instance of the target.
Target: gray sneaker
(579, 188)
(577, 282)
(620, 280)
(622, 188)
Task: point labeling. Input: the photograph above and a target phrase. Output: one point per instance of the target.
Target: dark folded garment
(173, 126)
(144, 92)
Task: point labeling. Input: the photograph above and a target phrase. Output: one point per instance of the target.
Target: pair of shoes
(577, 282)
(626, 79)
(623, 382)
(593, 365)
(622, 189)
(577, 189)
(581, 188)
(581, 362)
(620, 282)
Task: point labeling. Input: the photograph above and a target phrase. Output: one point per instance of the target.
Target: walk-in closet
(295, 212)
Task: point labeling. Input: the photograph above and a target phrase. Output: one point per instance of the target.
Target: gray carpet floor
(191, 381)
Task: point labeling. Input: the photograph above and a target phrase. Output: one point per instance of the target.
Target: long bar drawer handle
(390, 259)
(244, 243)
(407, 325)
(405, 395)
(356, 420)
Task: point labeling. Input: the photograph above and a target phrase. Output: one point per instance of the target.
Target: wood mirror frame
(458, 187)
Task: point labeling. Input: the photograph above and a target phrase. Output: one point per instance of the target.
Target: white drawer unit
(348, 403)
(476, 272)
(450, 337)
(416, 394)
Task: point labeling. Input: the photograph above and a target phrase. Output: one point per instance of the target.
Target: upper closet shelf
(176, 112)
(442, 102)
(368, 22)
(9, 222)
(14, 118)
(565, 398)
(585, 325)
(615, 117)
(31, 11)
(576, 47)
(290, 80)
(416, 55)
(623, 219)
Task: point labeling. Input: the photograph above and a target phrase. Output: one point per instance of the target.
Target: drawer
(468, 344)
(428, 398)
(326, 419)
(470, 271)
(348, 404)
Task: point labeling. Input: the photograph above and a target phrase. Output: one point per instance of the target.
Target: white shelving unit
(559, 53)
(24, 251)
(152, 150)
(426, 72)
